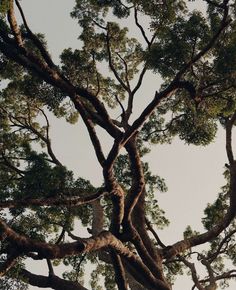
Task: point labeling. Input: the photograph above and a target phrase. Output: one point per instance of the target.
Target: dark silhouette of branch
(103, 240)
(140, 27)
(51, 281)
(193, 271)
(120, 276)
(7, 163)
(151, 229)
(34, 38)
(73, 201)
(111, 65)
(10, 262)
(13, 24)
(229, 150)
(219, 250)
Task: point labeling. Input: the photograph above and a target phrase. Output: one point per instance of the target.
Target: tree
(194, 54)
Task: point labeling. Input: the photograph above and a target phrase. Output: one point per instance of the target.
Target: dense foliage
(44, 206)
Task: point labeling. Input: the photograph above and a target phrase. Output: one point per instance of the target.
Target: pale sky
(193, 174)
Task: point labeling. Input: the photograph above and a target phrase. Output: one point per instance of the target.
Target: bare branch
(229, 150)
(192, 268)
(151, 229)
(50, 268)
(92, 133)
(52, 281)
(140, 27)
(13, 24)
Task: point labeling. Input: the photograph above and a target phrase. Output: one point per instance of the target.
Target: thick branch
(103, 240)
(229, 150)
(98, 217)
(51, 281)
(120, 276)
(13, 23)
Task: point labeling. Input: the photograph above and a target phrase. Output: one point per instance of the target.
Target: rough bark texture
(137, 260)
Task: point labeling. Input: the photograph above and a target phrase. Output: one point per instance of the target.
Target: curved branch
(140, 27)
(51, 281)
(183, 245)
(103, 240)
(193, 271)
(111, 63)
(229, 150)
(8, 164)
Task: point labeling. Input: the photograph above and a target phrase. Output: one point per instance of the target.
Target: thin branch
(192, 268)
(99, 25)
(8, 164)
(227, 275)
(121, 106)
(140, 80)
(151, 229)
(215, 4)
(168, 126)
(140, 27)
(67, 202)
(131, 95)
(50, 268)
(108, 37)
(61, 236)
(10, 262)
(212, 280)
(223, 25)
(175, 84)
(92, 133)
(126, 71)
(214, 255)
(35, 39)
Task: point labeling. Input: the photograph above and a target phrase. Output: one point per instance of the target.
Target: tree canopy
(44, 204)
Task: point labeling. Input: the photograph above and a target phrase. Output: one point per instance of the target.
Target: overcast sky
(193, 174)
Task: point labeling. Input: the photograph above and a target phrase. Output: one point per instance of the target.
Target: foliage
(44, 206)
